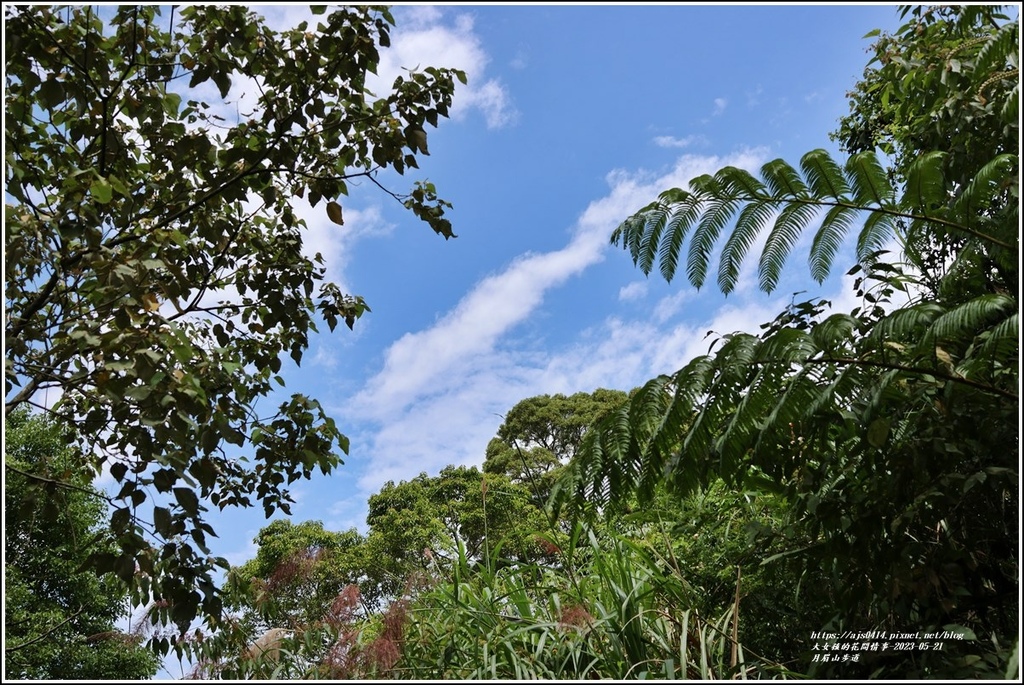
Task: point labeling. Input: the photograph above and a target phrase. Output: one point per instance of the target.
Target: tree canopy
(841, 471)
(541, 434)
(59, 619)
(155, 275)
(891, 430)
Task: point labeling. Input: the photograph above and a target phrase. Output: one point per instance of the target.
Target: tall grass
(622, 615)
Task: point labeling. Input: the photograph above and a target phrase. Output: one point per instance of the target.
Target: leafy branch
(46, 634)
(656, 233)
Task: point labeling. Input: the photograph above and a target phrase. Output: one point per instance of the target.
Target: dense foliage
(155, 274)
(890, 431)
(841, 471)
(540, 435)
(59, 620)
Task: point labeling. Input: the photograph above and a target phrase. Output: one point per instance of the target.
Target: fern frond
(971, 317)
(843, 387)
(659, 231)
(784, 234)
(979, 194)
(1011, 106)
(1002, 340)
(926, 185)
(835, 332)
(828, 239)
(998, 50)
(738, 433)
(868, 181)
(751, 222)
(649, 237)
(824, 175)
(741, 184)
(880, 394)
(877, 230)
(630, 232)
(801, 398)
(788, 346)
(783, 180)
(686, 214)
(907, 324)
(716, 216)
(698, 442)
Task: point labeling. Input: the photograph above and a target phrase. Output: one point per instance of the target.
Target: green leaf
(162, 521)
(118, 470)
(164, 479)
(416, 139)
(334, 213)
(187, 500)
(171, 104)
(120, 519)
(101, 189)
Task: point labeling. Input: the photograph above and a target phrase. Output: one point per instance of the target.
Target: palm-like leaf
(859, 190)
(877, 426)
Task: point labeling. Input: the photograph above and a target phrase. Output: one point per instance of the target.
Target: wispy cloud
(520, 61)
(427, 36)
(423, 36)
(470, 367)
(754, 96)
(673, 142)
(636, 290)
(430, 37)
(720, 105)
(333, 242)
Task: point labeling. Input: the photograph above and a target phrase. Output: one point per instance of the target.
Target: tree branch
(46, 634)
(846, 361)
(60, 484)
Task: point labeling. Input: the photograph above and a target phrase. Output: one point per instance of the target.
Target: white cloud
(720, 104)
(422, 16)
(754, 96)
(426, 40)
(673, 142)
(428, 36)
(333, 242)
(636, 290)
(669, 306)
(520, 61)
(418, 361)
(467, 369)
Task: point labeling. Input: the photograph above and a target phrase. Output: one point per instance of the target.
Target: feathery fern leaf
(741, 183)
(751, 222)
(906, 324)
(828, 239)
(979, 195)
(686, 214)
(717, 214)
(926, 186)
(1011, 106)
(1001, 341)
(825, 177)
(966, 320)
(877, 229)
(999, 50)
(784, 181)
(650, 236)
(861, 188)
(870, 184)
(834, 333)
(791, 221)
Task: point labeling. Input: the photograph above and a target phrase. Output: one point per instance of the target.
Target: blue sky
(573, 118)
